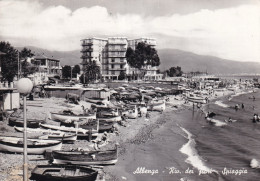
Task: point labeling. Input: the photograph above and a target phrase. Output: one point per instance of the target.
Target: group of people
(256, 118)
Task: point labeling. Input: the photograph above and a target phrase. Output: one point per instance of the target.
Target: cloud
(232, 33)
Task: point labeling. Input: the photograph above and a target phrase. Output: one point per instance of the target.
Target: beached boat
(196, 99)
(64, 137)
(63, 172)
(131, 113)
(156, 106)
(50, 134)
(95, 100)
(34, 146)
(109, 118)
(36, 130)
(101, 126)
(73, 117)
(85, 157)
(65, 129)
(31, 123)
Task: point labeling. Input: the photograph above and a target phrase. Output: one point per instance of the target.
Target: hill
(193, 62)
(169, 58)
(66, 57)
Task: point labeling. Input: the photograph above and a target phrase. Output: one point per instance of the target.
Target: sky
(227, 29)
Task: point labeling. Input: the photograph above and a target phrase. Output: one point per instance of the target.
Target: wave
(221, 104)
(241, 93)
(254, 163)
(217, 122)
(193, 157)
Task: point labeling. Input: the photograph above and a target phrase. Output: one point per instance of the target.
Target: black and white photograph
(129, 90)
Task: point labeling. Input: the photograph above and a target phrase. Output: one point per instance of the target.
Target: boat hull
(63, 117)
(157, 106)
(85, 158)
(7, 146)
(197, 100)
(63, 173)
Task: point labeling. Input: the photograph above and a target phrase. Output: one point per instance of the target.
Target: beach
(163, 147)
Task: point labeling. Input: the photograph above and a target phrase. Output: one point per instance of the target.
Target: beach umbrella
(158, 88)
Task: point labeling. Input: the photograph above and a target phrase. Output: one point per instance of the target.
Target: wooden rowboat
(34, 146)
(63, 172)
(107, 157)
(31, 123)
(197, 99)
(157, 106)
(51, 135)
(73, 117)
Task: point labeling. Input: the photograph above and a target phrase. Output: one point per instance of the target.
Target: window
(121, 59)
(112, 66)
(121, 66)
(113, 60)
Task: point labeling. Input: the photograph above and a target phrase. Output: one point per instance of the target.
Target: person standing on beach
(242, 106)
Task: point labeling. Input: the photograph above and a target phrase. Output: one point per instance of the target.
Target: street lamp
(24, 86)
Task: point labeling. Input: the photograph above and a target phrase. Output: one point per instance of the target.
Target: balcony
(122, 63)
(117, 49)
(86, 50)
(116, 55)
(117, 41)
(116, 69)
(86, 43)
(86, 56)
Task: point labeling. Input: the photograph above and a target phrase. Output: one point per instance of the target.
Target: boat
(156, 106)
(64, 137)
(100, 125)
(66, 129)
(34, 146)
(131, 113)
(196, 99)
(50, 134)
(107, 157)
(109, 118)
(31, 123)
(95, 100)
(63, 172)
(71, 116)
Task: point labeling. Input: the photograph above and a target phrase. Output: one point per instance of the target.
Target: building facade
(47, 68)
(110, 55)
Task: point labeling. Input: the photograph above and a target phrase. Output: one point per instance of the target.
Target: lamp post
(24, 86)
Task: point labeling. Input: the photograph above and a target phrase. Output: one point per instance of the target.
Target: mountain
(169, 58)
(65, 57)
(193, 62)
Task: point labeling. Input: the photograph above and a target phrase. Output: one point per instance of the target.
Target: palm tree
(91, 71)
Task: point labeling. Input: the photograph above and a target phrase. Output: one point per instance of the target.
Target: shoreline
(118, 171)
(137, 132)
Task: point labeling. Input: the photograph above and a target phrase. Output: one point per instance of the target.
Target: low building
(46, 68)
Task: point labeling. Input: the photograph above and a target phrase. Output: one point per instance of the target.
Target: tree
(91, 72)
(174, 72)
(122, 75)
(27, 68)
(75, 70)
(142, 56)
(9, 61)
(66, 71)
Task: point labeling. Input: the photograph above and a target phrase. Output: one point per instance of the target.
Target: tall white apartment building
(110, 54)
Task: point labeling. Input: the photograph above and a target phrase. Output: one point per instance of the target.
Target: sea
(187, 147)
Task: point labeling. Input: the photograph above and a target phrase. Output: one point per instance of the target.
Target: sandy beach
(134, 133)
